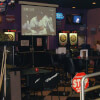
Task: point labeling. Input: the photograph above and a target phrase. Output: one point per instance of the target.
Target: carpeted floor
(73, 98)
(61, 94)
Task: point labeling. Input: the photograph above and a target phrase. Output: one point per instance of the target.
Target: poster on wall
(63, 38)
(24, 42)
(10, 18)
(39, 41)
(73, 38)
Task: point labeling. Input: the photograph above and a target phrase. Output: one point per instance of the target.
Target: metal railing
(82, 92)
(3, 73)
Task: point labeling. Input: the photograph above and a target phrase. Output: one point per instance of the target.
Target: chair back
(69, 65)
(35, 82)
(51, 80)
(79, 65)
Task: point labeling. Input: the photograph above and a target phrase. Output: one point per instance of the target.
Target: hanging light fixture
(73, 7)
(94, 2)
(73, 4)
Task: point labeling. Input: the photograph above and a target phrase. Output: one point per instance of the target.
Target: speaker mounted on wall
(93, 30)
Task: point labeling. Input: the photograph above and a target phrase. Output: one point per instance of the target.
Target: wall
(68, 11)
(64, 26)
(15, 25)
(93, 21)
(53, 40)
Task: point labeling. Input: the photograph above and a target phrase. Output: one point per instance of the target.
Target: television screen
(37, 20)
(76, 19)
(73, 19)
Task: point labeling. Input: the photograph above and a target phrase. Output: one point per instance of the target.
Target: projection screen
(37, 20)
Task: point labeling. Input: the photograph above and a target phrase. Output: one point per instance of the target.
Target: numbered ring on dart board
(73, 38)
(63, 38)
(11, 38)
(10, 35)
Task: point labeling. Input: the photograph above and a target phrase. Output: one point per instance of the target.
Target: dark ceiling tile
(80, 4)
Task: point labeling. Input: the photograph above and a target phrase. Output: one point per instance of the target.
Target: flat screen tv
(38, 20)
(77, 19)
(74, 19)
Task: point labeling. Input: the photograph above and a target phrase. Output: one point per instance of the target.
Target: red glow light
(1, 3)
(79, 57)
(11, 30)
(36, 69)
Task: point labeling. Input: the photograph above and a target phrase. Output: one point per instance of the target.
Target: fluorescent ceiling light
(73, 7)
(94, 3)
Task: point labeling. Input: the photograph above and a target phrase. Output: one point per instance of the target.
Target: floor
(65, 92)
(68, 94)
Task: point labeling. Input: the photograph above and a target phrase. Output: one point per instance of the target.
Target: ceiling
(80, 4)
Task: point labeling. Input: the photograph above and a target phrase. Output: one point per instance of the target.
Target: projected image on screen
(38, 20)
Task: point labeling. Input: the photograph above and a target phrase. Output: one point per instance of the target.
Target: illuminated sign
(10, 18)
(12, 30)
(59, 16)
(9, 30)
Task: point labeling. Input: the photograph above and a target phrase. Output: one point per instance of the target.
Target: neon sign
(11, 30)
(59, 16)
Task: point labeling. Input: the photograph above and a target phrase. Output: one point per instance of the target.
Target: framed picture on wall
(24, 42)
(39, 42)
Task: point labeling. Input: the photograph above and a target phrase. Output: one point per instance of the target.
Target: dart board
(63, 39)
(3, 37)
(10, 36)
(73, 38)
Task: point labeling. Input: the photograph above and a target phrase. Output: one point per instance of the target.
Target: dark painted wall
(53, 40)
(15, 25)
(93, 21)
(62, 25)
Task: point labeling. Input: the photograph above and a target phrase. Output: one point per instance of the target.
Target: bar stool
(51, 81)
(34, 84)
